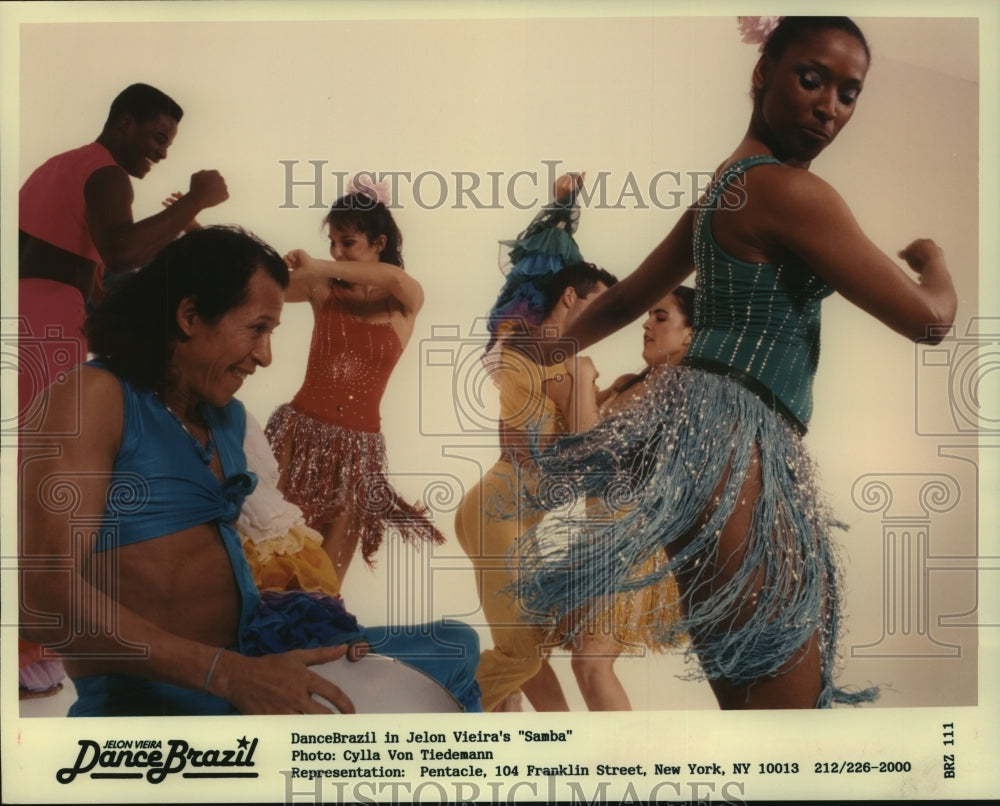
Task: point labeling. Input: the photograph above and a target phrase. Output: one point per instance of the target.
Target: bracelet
(211, 669)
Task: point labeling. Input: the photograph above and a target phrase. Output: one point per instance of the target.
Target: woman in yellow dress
(632, 622)
(548, 286)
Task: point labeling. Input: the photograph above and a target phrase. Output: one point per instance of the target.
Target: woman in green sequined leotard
(720, 475)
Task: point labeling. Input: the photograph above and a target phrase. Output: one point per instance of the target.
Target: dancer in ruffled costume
(283, 552)
(711, 457)
(327, 439)
(547, 286)
(300, 591)
(635, 621)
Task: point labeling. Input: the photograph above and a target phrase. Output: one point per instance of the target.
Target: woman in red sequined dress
(327, 439)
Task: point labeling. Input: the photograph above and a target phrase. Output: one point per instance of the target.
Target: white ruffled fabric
(272, 523)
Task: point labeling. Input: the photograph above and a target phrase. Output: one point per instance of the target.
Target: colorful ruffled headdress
(535, 257)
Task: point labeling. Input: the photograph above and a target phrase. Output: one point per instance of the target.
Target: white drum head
(378, 684)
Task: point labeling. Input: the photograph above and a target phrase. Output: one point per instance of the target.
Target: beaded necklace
(205, 452)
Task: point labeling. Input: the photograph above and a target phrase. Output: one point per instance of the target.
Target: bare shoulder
(108, 179)
(87, 404)
(787, 190)
(786, 207)
(100, 380)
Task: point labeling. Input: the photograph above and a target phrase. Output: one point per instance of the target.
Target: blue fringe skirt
(662, 478)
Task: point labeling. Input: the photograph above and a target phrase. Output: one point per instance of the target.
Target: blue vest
(160, 485)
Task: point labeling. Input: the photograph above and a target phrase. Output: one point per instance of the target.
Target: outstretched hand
(281, 683)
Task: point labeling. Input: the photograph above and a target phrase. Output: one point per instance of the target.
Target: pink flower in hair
(756, 30)
(378, 191)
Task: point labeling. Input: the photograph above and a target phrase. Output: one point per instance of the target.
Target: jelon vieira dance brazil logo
(154, 760)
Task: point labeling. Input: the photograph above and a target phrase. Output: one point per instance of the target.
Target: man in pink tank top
(75, 222)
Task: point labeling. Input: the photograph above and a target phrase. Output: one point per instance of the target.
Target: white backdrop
(630, 96)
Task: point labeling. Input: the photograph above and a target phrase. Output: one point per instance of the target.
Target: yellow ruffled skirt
(292, 561)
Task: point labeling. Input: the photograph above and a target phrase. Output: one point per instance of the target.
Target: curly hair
(360, 212)
(133, 330)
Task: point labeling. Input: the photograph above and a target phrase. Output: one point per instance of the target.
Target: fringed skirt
(332, 472)
(668, 473)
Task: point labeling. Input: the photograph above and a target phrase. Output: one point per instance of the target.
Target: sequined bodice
(349, 365)
(759, 318)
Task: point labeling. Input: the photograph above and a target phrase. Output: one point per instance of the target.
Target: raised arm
(310, 279)
(125, 244)
(808, 218)
(174, 197)
(662, 271)
(68, 481)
